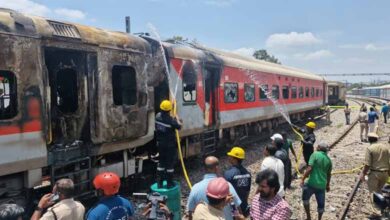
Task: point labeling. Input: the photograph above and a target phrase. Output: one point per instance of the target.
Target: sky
(324, 37)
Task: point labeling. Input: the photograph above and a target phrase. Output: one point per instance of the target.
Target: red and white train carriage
(219, 93)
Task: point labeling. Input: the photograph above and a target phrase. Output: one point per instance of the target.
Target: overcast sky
(330, 36)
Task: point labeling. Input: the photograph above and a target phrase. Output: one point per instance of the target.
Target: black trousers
(385, 116)
(307, 151)
(288, 174)
(167, 158)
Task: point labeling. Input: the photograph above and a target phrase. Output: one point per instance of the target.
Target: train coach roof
(238, 61)
(335, 83)
(20, 24)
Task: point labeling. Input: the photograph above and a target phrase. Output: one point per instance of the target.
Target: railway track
(347, 193)
(345, 213)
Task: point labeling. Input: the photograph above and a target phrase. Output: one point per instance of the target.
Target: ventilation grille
(64, 30)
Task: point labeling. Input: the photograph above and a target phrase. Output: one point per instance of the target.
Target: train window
(285, 92)
(67, 92)
(275, 92)
(231, 92)
(8, 95)
(300, 92)
(294, 92)
(189, 83)
(307, 91)
(124, 85)
(320, 92)
(263, 90)
(312, 92)
(249, 92)
(317, 92)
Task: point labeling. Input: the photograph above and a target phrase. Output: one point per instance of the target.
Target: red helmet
(108, 182)
(218, 188)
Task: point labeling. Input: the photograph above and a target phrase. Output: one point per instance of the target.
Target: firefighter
(239, 177)
(166, 143)
(309, 139)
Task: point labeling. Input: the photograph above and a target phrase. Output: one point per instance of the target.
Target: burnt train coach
(77, 100)
(74, 101)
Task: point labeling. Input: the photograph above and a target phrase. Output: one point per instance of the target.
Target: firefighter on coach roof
(166, 143)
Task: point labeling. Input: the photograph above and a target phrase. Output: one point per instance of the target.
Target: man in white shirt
(273, 163)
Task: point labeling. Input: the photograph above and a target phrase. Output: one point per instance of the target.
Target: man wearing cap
(218, 197)
(318, 173)
(377, 161)
(282, 154)
(239, 177)
(198, 191)
(165, 126)
(309, 139)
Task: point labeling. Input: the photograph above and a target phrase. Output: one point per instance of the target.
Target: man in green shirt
(319, 172)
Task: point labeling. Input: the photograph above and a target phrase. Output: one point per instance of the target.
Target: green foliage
(263, 55)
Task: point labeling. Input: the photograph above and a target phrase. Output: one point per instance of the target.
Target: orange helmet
(108, 182)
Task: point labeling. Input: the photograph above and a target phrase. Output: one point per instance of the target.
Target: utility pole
(128, 24)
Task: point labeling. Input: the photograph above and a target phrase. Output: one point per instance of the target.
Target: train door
(210, 79)
(68, 72)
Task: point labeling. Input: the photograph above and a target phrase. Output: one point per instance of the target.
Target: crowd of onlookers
(225, 195)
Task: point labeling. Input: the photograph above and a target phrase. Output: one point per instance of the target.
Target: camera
(382, 201)
(156, 213)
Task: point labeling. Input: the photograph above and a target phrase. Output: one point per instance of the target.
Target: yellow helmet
(237, 152)
(166, 105)
(311, 124)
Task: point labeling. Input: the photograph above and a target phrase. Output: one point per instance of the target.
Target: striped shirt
(275, 209)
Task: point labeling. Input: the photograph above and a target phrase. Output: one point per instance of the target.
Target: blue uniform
(111, 208)
(240, 178)
(372, 116)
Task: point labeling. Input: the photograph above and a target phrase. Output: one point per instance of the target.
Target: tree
(263, 55)
(176, 39)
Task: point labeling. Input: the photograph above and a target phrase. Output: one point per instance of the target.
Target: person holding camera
(110, 205)
(60, 204)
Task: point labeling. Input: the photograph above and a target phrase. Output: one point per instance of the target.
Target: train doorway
(211, 79)
(68, 72)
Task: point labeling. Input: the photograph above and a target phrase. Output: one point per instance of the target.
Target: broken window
(285, 92)
(294, 92)
(8, 95)
(189, 83)
(300, 92)
(263, 90)
(275, 92)
(66, 88)
(231, 92)
(312, 92)
(124, 85)
(307, 92)
(249, 94)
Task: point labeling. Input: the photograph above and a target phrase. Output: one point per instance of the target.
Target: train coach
(382, 92)
(336, 93)
(77, 100)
